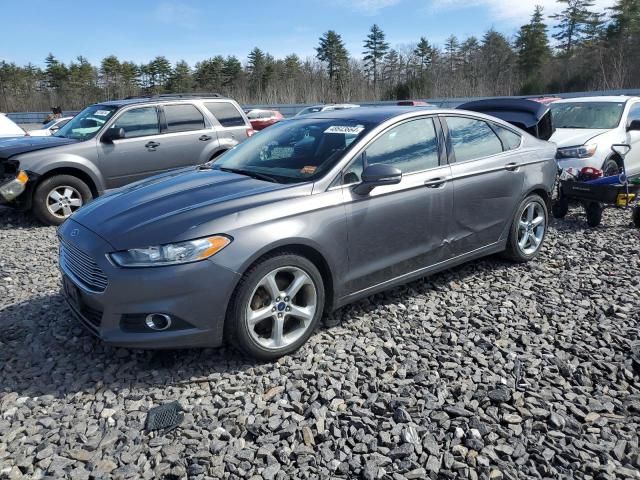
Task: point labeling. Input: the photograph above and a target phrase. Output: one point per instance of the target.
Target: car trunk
(532, 117)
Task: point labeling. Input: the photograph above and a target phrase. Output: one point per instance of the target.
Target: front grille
(83, 267)
(93, 316)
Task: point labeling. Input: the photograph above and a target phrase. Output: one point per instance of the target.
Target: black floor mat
(164, 418)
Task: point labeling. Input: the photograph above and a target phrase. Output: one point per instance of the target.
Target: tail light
(250, 132)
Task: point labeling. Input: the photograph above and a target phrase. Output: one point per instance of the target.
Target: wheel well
(616, 158)
(73, 172)
(544, 195)
(217, 154)
(314, 257)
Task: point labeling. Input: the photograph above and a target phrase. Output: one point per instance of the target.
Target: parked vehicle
(111, 144)
(586, 128)
(261, 119)
(413, 103)
(50, 127)
(309, 215)
(8, 128)
(325, 108)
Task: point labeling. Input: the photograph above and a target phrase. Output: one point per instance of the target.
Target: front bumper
(580, 163)
(195, 294)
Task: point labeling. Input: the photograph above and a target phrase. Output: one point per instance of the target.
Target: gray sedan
(301, 219)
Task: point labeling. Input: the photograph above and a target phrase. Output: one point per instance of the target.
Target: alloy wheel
(62, 201)
(531, 228)
(281, 308)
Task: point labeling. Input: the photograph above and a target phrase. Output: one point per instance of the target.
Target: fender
(67, 161)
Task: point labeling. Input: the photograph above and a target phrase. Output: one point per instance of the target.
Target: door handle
(512, 167)
(204, 138)
(435, 182)
(152, 144)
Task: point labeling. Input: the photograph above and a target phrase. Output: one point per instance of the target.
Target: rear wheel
(594, 214)
(56, 198)
(276, 306)
(528, 230)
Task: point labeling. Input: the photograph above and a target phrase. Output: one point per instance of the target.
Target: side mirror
(113, 134)
(377, 176)
(621, 149)
(634, 126)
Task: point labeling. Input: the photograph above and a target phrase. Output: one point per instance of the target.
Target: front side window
(472, 139)
(138, 122)
(87, 123)
(183, 118)
(410, 147)
(587, 115)
(226, 114)
(295, 151)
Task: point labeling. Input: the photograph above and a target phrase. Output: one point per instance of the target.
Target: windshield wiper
(249, 173)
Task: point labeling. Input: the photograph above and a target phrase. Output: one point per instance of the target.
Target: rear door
(232, 128)
(133, 157)
(187, 138)
(487, 180)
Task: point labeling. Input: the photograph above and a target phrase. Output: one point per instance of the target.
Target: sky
(192, 30)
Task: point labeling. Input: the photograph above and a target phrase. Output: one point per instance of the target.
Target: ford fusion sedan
(309, 215)
(586, 128)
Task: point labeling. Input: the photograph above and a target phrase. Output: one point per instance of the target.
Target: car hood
(573, 137)
(16, 145)
(177, 205)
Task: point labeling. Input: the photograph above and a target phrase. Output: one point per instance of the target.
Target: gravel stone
(489, 370)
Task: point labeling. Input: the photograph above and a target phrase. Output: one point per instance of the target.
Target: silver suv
(115, 143)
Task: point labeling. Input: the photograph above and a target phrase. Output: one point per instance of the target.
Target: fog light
(158, 321)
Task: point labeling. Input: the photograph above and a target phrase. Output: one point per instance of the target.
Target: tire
(594, 214)
(636, 216)
(44, 201)
(611, 167)
(255, 292)
(560, 208)
(527, 232)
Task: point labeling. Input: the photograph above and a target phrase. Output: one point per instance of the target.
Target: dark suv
(111, 144)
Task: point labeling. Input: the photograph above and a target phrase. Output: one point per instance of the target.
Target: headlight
(15, 187)
(584, 151)
(171, 254)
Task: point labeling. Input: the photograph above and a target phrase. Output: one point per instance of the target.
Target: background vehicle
(8, 128)
(111, 144)
(586, 128)
(325, 108)
(261, 119)
(413, 103)
(309, 215)
(50, 128)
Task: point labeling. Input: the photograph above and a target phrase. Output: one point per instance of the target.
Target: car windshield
(294, 151)
(87, 123)
(587, 115)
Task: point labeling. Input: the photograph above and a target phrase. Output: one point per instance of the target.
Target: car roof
(610, 98)
(368, 114)
(159, 98)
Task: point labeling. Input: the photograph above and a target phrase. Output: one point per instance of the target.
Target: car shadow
(11, 219)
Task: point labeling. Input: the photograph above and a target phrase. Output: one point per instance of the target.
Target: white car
(50, 128)
(8, 128)
(586, 128)
(325, 108)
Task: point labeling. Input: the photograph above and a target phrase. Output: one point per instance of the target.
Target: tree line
(577, 49)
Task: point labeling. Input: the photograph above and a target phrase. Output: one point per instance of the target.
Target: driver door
(396, 230)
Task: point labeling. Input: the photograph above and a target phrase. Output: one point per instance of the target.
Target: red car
(261, 119)
(413, 103)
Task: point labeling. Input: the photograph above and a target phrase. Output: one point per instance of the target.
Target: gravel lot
(487, 371)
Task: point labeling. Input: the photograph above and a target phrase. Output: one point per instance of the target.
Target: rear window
(226, 113)
(510, 140)
(183, 118)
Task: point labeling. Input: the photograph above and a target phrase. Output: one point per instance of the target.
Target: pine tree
(533, 48)
(181, 79)
(375, 50)
(333, 52)
(424, 54)
(573, 23)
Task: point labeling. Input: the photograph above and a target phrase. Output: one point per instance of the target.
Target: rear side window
(226, 113)
(510, 140)
(472, 139)
(183, 118)
(138, 122)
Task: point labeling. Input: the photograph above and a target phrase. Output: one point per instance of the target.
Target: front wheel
(276, 306)
(528, 230)
(56, 198)
(611, 168)
(594, 214)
